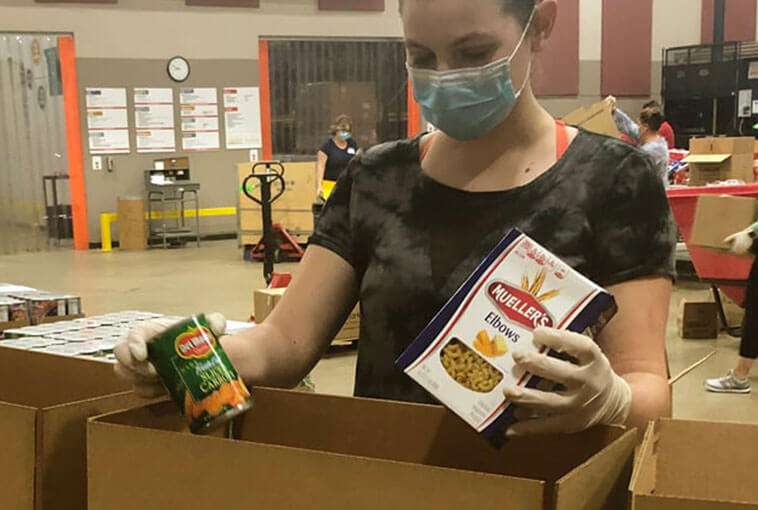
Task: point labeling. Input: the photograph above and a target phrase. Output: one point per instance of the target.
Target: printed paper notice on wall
(199, 116)
(242, 118)
(107, 121)
(154, 119)
(200, 141)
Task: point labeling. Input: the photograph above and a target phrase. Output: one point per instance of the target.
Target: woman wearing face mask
(334, 155)
(410, 220)
(646, 134)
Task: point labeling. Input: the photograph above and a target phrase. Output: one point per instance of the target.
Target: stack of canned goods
(42, 304)
(93, 337)
(13, 310)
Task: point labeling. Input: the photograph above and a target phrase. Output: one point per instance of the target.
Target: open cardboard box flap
(707, 159)
(696, 465)
(297, 450)
(44, 403)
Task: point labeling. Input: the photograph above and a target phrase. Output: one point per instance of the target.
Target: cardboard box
(696, 466)
(719, 159)
(297, 450)
(132, 234)
(719, 216)
(45, 401)
(698, 320)
(318, 104)
(264, 301)
(597, 118)
(251, 220)
(173, 163)
(299, 192)
(351, 330)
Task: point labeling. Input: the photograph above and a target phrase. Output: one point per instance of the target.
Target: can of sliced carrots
(198, 374)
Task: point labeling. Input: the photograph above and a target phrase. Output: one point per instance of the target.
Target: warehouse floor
(214, 278)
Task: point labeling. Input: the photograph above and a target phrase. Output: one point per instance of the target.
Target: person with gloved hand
(737, 380)
(409, 221)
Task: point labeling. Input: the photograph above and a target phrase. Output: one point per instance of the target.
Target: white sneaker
(728, 384)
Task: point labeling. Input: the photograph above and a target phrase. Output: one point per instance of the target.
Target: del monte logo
(195, 343)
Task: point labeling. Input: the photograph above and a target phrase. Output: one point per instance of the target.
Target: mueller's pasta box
(464, 356)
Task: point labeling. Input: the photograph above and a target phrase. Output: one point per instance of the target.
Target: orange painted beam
(414, 114)
(77, 188)
(265, 90)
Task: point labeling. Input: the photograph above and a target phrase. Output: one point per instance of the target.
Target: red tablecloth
(711, 264)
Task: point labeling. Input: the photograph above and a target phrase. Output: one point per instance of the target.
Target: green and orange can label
(198, 374)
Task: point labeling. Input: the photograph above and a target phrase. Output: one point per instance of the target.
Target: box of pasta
(464, 356)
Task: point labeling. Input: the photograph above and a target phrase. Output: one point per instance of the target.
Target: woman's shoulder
(611, 159)
(398, 154)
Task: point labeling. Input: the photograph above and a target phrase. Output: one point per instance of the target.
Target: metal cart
(170, 194)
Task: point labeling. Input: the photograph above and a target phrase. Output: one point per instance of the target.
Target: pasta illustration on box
(464, 356)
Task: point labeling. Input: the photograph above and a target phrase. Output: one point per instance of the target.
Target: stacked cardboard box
(264, 301)
(698, 320)
(45, 401)
(296, 450)
(720, 159)
(293, 209)
(317, 105)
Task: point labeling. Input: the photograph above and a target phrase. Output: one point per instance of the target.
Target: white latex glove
(594, 393)
(740, 243)
(131, 353)
(611, 102)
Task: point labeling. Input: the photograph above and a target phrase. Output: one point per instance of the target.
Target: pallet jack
(276, 244)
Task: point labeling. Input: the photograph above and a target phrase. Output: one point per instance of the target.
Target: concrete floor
(215, 278)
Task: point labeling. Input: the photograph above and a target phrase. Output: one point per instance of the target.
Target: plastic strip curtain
(315, 80)
(32, 138)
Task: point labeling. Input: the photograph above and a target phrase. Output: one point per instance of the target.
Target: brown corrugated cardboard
(294, 220)
(698, 320)
(264, 301)
(719, 159)
(696, 466)
(597, 118)
(719, 216)
(44, 403)
(174, 163)
(296, 450)
(131, 224)
(13, 325)
(300, 186)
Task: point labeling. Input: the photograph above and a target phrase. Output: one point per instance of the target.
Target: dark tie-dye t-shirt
(413, 241)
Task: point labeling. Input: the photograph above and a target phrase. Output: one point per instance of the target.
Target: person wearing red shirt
(666, 131)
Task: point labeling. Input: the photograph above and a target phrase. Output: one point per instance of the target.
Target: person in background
(410, 220)
(666, 131)
(334, 155)
(736, 381)
(646, 133)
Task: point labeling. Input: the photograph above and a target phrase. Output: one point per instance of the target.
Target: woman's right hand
(131, 353)
(741, 242)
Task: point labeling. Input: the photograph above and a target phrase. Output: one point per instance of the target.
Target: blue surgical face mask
(344, 135)
(466, 104)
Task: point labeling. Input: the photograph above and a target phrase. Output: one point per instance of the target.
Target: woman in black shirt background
(334, 155)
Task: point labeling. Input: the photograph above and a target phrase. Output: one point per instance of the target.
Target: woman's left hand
(594, 393)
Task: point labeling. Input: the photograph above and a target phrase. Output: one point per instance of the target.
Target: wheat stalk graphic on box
(534, 288)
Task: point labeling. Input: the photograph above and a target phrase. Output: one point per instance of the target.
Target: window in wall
(314, 80)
